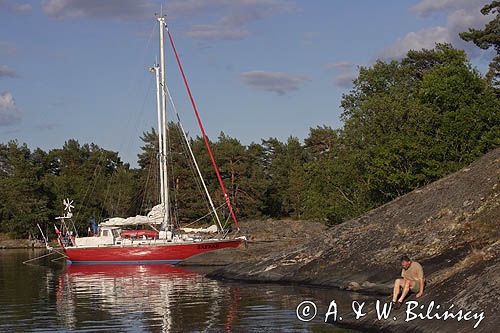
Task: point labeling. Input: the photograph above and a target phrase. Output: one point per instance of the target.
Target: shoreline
(10, 244)
(449, 226)
(371, 292)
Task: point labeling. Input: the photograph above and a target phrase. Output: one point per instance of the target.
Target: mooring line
(45, 255)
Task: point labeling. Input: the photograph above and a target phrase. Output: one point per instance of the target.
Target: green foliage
(33, 185)
(148, 175)
(24, 200)
(281, 160)
(414, 121)
(242, 174)
(488, 37)
(406, 123)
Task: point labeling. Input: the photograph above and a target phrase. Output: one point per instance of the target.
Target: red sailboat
(112, 243)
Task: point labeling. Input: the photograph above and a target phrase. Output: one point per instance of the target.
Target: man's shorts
(416, 287)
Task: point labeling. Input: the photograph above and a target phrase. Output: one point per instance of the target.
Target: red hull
(159, 253)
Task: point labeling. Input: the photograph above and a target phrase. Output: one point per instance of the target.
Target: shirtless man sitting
(412, 278)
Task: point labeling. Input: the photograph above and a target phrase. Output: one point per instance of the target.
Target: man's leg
(407, 285)
(399, 283)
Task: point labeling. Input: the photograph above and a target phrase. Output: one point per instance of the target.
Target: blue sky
(257, 68)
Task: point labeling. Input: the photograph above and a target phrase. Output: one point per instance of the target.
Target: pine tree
(488, 37)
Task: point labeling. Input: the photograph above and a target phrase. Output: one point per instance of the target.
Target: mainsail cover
(155, 216)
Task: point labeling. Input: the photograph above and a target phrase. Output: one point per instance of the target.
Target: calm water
(50, 296)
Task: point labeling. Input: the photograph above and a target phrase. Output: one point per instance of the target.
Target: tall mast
(156, 69)
(163, 159)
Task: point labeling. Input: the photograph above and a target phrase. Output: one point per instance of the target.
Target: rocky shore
(20, 244)
(452, 227)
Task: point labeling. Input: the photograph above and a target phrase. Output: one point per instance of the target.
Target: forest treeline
(406, 123)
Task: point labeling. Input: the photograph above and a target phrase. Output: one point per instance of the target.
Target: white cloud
(344, 73)
(26, 7)
(426, 38)
(240, 8)
(47, 126)
(6, 71)
(461, 15)
(277, 82)
(462, 19)
(9, 112)
(178, 8)
(426, 7)
(114, 9)
(7, 48)
(344, 80)
(231, 17)
(215, 32)
(339, 65)
(309, 38)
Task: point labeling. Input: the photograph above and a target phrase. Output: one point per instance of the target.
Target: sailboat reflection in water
(153, 295)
